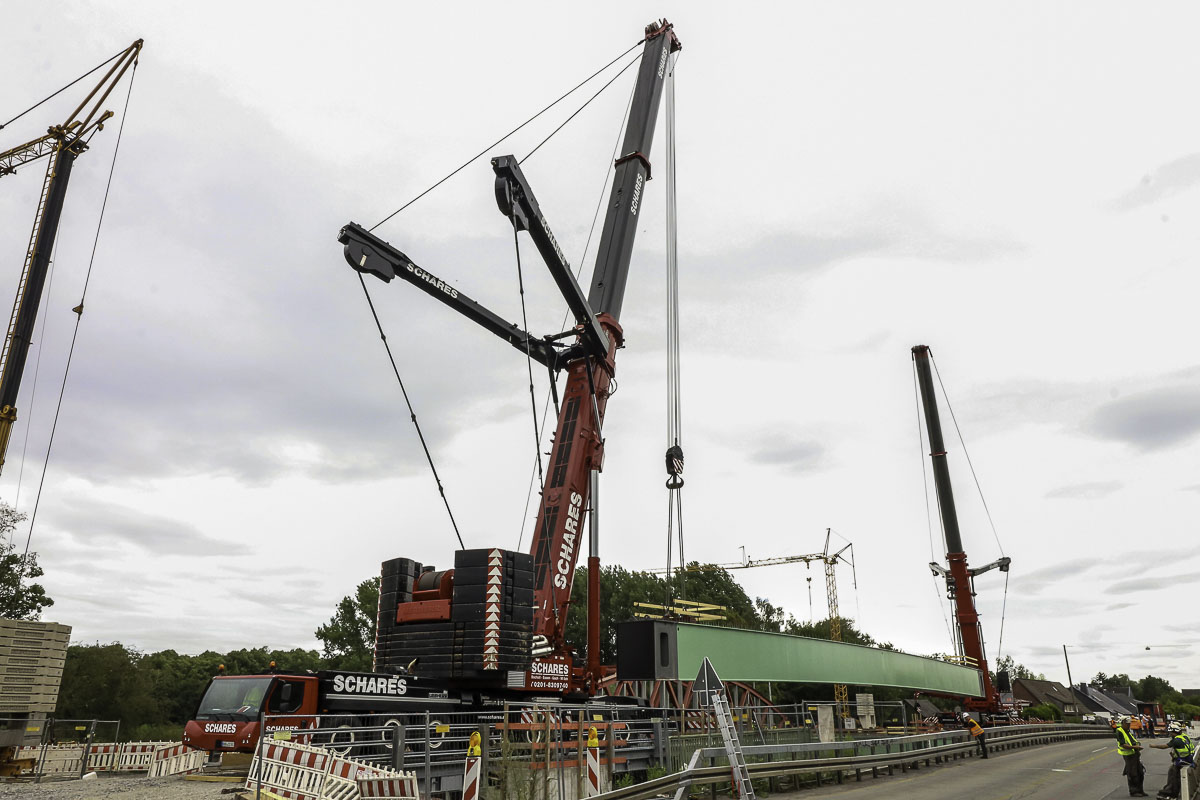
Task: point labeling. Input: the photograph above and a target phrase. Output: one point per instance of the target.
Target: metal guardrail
(899, 752)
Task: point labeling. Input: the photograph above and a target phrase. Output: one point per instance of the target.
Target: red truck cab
(227, 718)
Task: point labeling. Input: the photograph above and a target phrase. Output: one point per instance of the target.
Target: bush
(1043, 711)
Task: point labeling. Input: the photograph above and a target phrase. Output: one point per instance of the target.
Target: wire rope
(537, 438)
(411, 413)
(468, 162)
(79, 309)
(63, 89)
(928, 511)
(961, 441)
(608, 173)
(674, 413)
(37, 370)
(588, 102)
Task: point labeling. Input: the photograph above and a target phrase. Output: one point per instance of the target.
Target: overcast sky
(1016, 188)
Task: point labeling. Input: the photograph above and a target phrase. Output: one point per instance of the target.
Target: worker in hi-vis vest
(977, 731)
(1183, 756)
(1129, 749)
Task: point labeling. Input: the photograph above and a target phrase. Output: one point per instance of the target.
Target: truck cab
(227, 718)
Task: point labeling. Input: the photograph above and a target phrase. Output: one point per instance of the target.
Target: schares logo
(433, 280)
(220, 727)
(368, 684)
(566, 553)
(637, 195)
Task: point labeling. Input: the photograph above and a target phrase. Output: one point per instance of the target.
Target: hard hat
(1124, 720)
(1174, 727)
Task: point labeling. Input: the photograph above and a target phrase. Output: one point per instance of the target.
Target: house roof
(1125, 701)
(1096, 700)
(1051, 692)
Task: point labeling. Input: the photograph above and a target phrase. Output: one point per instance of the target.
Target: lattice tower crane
(62, 143)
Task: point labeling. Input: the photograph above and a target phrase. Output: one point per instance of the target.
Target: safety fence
(540, 751)
(835, 761)
(304, 772)
(74, 759)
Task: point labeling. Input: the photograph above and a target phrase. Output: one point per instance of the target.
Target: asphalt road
(1083, 770)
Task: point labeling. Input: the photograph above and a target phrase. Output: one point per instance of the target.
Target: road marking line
(1100, 750)
(1060, 770)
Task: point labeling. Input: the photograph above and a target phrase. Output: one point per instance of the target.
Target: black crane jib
(371, 255)
(516, 201)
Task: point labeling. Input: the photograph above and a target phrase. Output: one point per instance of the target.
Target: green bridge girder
(658, 650)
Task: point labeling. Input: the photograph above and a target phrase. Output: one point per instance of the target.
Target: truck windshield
(233, 697)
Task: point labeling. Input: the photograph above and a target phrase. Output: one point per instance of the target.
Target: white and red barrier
(176, 759)
(302, 772)
(54, 759)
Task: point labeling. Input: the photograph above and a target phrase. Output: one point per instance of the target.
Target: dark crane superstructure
(960, 579)
(62, 144)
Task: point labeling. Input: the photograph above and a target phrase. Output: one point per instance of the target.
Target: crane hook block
(674, 460)
(369, 254)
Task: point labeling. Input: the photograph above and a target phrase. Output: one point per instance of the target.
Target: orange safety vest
(1135, 724)
(973, 726)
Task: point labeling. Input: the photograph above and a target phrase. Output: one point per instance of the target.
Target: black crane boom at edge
(371, 255)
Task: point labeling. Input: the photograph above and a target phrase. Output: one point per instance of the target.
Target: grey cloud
(1195, 487)
(1085, 491)
(1119, 606)
(1150, 420)
(1169, 179)
(87, 521)
(1144, 585)
(796, 455)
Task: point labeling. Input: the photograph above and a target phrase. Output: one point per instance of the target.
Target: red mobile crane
(960, 579)
(424, 599)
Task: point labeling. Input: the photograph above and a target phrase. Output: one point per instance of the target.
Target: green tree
(348, 639)
(104, 681)
(1112, 683)
(1152, 689)
(1015, 670)
(20, 598)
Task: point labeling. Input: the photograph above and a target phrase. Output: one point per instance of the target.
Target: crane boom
(589, 362)
(958, 576)
(63, 143)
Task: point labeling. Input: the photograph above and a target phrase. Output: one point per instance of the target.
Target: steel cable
(63, 89)
(468, 162)
(79, 308)
(411, 413)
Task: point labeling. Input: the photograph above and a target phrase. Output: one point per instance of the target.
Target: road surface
(1084, 770)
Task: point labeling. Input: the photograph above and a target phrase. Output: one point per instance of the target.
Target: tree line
(154, 694)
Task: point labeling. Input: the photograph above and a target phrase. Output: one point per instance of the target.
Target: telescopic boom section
(958, 579)
(578, 440)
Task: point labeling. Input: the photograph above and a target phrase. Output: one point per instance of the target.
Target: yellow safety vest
(1188, 749)
(1126, 741)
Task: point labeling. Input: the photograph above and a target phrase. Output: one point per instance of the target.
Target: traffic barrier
(471, 769)
(176, 759)
(593, 763)
(55, 759)
(388, 787)
(302, 772)
(123, 757)
(137, 756)
(104, 757)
